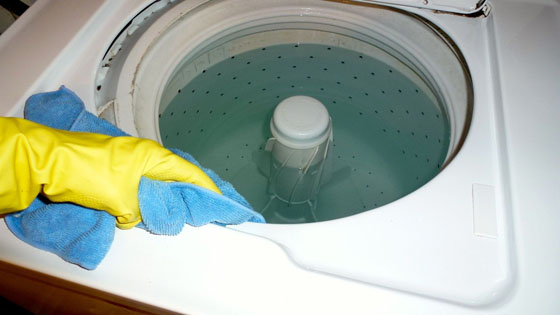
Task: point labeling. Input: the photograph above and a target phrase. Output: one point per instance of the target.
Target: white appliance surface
(220, 270)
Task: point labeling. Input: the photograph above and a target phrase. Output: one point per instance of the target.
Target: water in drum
(390, 135)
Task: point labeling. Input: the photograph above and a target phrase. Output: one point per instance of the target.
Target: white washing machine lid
(454, 6)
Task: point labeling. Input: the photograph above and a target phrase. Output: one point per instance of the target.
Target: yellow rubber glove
(88, 169)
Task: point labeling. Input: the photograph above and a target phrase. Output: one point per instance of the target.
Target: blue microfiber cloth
(83, 236)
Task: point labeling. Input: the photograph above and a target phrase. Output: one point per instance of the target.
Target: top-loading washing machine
(436, 188)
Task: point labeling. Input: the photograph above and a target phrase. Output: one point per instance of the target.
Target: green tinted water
(390, 137)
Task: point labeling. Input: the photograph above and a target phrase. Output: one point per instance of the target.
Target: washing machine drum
(396, 90)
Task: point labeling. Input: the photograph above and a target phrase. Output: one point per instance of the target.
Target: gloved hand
(92, 170)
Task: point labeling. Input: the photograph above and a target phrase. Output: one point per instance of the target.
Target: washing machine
(440, 189)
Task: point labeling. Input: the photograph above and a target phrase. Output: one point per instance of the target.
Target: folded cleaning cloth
(83, 236)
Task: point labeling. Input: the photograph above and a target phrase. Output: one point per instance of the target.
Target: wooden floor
(25, 291)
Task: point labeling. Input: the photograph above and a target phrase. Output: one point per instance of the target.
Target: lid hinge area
(469, 8)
